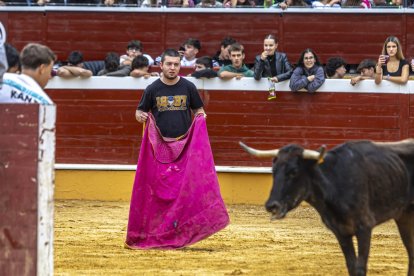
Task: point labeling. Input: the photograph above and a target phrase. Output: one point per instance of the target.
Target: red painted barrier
(26, 189)
(99, 127)
(354, 36)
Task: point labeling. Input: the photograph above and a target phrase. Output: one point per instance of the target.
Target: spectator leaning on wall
(308, 73)
(237, 69)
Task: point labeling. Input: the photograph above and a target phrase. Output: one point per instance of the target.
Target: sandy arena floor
(89, 238)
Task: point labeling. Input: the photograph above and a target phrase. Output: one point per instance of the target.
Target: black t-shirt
(171, 105)
(272, 63)
(396, 73)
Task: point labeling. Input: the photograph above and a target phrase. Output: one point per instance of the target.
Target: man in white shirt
(134, 49)
(37, 61)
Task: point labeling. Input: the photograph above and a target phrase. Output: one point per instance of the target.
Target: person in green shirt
(237, 69)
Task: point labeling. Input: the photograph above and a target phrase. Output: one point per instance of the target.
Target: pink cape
(176, 197)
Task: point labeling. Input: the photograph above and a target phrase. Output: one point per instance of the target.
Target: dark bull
(354, 187)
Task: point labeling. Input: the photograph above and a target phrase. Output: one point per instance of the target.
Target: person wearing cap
(366, 70)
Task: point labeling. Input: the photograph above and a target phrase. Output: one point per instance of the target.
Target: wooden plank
(332, 33)
(18, 181)
(98, 127)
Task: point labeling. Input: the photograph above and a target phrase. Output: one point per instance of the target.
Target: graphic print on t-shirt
(170, 103)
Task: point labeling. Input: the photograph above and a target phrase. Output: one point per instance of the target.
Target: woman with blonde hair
(391, 64)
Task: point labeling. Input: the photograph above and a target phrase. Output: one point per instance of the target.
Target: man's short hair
(206, 61)
(170, 53)
(12, 55)
(134, 44)
(33, 55)
(139, 62)
(111, 62)
(193, 42)
(333, 64)
(227, 41)
(236, 47)
(75, 58)
(366, 63)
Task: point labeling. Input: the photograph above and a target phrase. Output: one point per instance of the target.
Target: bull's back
(372, 181)
(405, 150)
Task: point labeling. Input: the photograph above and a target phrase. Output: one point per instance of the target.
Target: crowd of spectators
(307, 73)
(278, 4)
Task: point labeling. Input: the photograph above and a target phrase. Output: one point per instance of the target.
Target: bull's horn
(311, 154)
(259, 153)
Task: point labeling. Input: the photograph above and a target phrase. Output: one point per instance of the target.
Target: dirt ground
(89, 238)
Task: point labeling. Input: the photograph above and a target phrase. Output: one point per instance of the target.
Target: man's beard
(169, 77)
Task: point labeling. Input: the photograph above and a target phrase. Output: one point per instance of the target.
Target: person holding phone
(392, 65)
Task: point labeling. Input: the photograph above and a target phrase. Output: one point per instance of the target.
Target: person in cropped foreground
(176, 198)
(27, 88)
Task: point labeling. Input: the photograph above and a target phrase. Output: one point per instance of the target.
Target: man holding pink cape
(176, 198)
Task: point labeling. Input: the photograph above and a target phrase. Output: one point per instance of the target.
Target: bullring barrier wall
(27, 144)
(354, 34)
(98, 138)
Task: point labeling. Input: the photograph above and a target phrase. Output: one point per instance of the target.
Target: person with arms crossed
(176, 198)
(74, 68)
(308, 73)
(37, 62)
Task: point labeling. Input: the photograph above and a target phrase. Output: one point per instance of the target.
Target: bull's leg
(364, 243)
(349, 252)
(405, 225)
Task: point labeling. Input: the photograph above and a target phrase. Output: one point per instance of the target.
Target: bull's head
(292, 171)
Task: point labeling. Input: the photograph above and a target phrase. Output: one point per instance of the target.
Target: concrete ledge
(244, 84)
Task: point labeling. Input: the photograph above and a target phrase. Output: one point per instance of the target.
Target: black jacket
(283, 68)
(205, 73)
